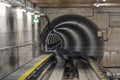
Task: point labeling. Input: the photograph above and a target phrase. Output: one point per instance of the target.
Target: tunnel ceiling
(76, 3)
(75, 34)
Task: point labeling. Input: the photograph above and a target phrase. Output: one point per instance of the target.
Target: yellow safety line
(97, 70)
(27, 73)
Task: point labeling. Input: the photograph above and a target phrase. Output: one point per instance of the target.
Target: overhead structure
(22, 4)
(76, 3)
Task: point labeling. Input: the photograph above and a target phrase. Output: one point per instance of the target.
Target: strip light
(104, 0)
(29, 13)
(21, 10)
(4, 4)
(97, 5)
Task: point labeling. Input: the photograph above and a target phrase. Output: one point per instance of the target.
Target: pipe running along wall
(73, 35)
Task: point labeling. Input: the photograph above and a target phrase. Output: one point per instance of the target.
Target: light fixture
(21, 10)
(4, 4)
(97, 5)
(104, 0)
(29, 13)
(42, 14)
(32, 13)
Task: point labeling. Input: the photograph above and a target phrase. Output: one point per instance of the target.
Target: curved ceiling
(75, 34)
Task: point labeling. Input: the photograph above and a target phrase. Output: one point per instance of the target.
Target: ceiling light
(5, 4)
(104, 0)
(42, 14)
(29, 13)
(32, 13)
(21, 10)
(97, 5)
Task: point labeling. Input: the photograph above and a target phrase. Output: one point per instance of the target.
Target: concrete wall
(15, 30)
(105, 19)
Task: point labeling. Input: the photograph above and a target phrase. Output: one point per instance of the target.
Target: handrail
(16, 46)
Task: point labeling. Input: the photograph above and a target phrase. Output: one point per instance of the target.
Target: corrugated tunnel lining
(77, 35)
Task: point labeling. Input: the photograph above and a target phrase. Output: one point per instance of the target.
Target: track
(84, 72)
(52, 67)
(58, 72)
(74, 37)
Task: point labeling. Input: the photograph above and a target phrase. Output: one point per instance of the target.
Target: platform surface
(15, 75)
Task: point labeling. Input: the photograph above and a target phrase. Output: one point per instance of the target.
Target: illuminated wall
(15, 39)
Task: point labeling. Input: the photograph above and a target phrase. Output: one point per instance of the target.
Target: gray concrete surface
(86, 73)
(18, 73)
(104, 18)
(15, 29)
(57, 73)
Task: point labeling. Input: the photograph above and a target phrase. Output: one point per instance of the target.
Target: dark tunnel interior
(74, 36)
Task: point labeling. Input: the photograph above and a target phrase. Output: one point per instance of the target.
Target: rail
(31, 72)
(101, 75)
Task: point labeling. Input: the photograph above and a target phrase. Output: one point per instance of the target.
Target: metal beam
(75, 3)
(72, 1)
(63, 1)
(63, 5)
(78, 5)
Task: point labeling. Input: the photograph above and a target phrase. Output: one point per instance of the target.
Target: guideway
(46, 67)
(75, 40)
(34, 68)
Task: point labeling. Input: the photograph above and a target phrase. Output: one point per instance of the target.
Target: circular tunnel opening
(73, 35)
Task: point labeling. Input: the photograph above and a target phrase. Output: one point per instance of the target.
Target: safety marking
(31, 70)
(97, 70)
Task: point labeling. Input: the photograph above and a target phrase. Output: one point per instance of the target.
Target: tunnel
(73, 35)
